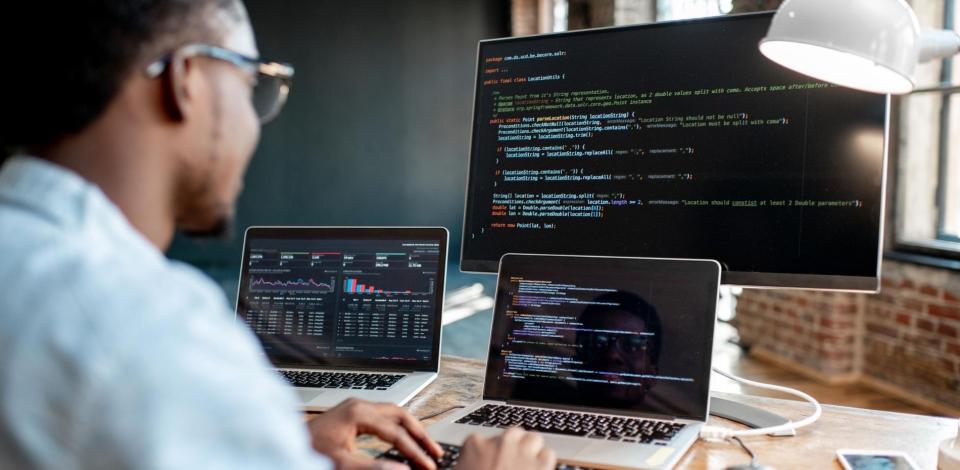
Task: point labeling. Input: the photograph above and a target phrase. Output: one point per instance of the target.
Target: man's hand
(334, 431)
(514, 448)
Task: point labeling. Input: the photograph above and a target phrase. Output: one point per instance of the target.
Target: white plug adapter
(950, 452)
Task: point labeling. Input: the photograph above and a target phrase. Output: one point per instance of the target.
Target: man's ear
(179, 95)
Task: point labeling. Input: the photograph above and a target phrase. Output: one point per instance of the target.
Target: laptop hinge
(371, 370)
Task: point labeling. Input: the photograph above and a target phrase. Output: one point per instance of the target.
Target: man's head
(81, 70)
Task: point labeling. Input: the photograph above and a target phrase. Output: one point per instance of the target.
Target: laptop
(608, 358)
(346, 312)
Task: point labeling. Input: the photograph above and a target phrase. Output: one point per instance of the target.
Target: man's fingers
(389, 465)
(386, 426)
(418, 432)
(547, 458)
(512, 435)
(410, 448)
(531, 443)
(351, 461)
(475, 442)
(412, 427)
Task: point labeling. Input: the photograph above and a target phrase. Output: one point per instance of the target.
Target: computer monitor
(675, 139)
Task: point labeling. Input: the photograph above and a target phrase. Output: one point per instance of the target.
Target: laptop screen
(628, 335)
(345, 297)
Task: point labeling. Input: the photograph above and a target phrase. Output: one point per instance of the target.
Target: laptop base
(322, 399)
(580, 451)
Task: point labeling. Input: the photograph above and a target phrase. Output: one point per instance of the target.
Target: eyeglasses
(271, 79)
(629, 344)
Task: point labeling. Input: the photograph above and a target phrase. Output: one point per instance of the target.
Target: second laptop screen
(627, 335)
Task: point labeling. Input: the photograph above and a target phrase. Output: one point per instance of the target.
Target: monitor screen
(675, 139)
(623, 334)
(349, 297)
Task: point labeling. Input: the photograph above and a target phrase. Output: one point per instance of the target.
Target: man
(138, 119)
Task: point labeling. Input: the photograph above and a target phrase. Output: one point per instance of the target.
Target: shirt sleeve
(191, 389)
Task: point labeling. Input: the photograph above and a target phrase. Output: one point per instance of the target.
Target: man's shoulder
(76, 316)
(59, 264)
(58, 284)
(97, 342)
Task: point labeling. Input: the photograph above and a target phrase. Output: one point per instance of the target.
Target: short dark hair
(627, 302)
(64, 62)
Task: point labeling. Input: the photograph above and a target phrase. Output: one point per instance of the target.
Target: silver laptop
(346, 311)
(609, 358)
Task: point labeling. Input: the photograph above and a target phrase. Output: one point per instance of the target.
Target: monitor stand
(731, 409)
(747, 414)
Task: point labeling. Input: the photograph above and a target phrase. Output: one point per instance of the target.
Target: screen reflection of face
(615, 354)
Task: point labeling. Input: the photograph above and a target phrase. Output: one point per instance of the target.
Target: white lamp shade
(871, 45)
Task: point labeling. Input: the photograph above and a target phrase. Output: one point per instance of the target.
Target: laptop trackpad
(566, 447)
(618, 452)
(307, 395)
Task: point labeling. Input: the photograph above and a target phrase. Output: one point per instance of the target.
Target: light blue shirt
(112, 356)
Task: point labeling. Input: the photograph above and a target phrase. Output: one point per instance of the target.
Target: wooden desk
(461, 382)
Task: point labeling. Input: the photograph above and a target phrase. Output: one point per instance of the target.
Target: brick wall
(525, 17)
(817, 330)
(911, 332)
(536, 16)
(904, 339)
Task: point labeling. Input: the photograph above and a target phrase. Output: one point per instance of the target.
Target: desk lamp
(870, 45)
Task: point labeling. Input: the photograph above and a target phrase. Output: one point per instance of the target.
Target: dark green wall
(376, 131)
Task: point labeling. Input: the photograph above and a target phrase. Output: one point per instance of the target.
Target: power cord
(753, 458)
(753, 465)
(718, 433)
(438, 413)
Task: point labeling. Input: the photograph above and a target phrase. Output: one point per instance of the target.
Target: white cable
(721, 434)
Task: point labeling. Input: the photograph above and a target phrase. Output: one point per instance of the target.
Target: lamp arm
(938, 43)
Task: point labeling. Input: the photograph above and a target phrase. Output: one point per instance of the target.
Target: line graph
(292, 284)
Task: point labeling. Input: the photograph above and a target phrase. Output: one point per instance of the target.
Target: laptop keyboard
(612, 428)
(347, 380)
(451, 454)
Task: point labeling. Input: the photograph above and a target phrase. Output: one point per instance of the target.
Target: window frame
(946, 76)
(944, 245)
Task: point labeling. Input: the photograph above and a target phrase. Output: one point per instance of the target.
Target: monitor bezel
(440, 234)
(746, 279)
